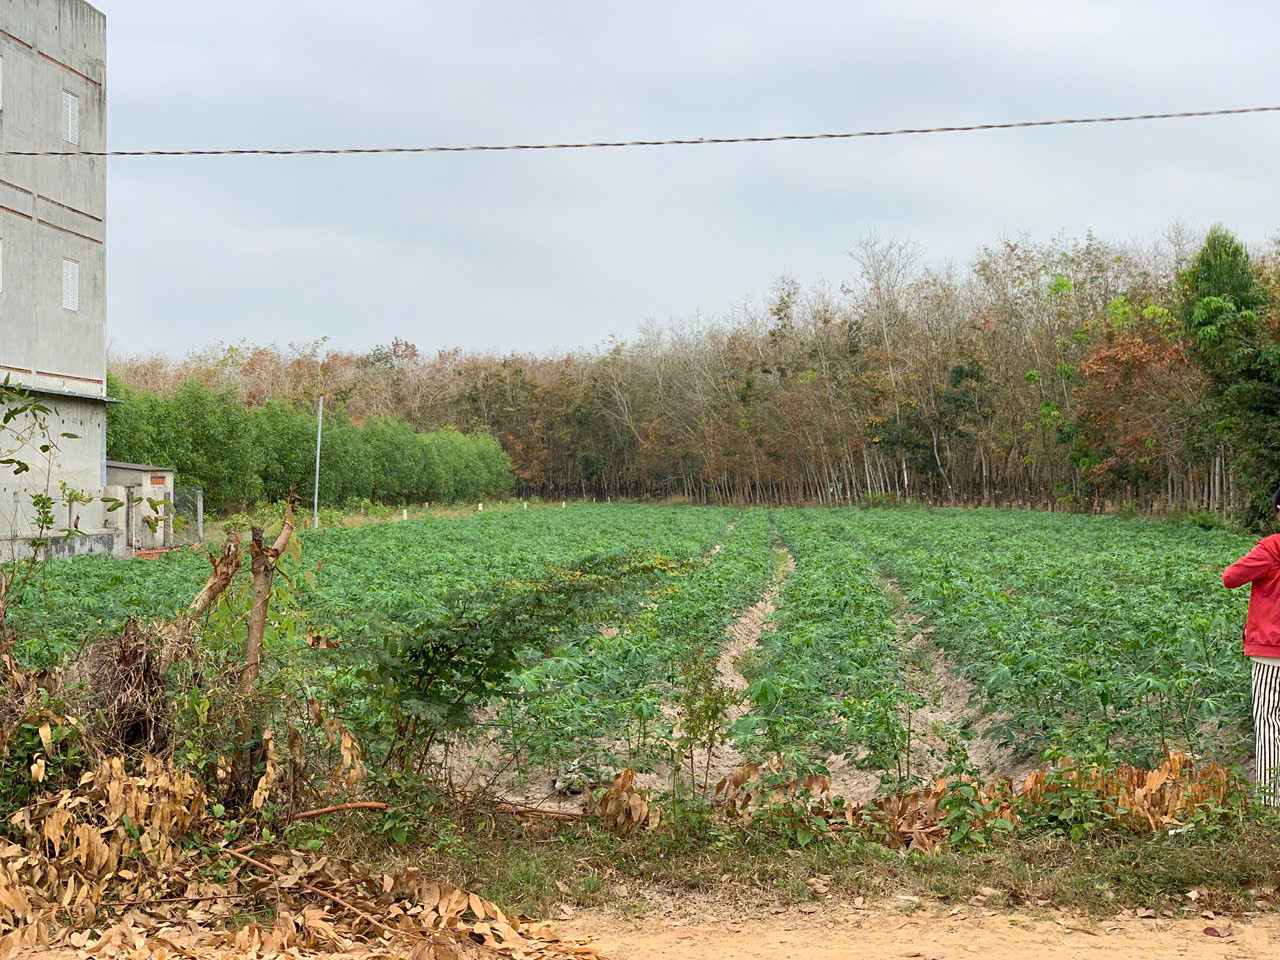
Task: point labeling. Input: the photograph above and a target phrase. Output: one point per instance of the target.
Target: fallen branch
(358, 805)
(407, 934)
(191, 899)
(523, 811)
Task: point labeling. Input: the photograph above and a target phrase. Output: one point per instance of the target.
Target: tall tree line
(1068, 373)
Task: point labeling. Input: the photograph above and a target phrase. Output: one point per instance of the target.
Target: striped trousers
(1266, 729)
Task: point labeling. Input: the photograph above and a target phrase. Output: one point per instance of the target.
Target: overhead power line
(610, 144)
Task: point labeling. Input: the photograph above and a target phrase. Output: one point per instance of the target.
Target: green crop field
(1085, 635)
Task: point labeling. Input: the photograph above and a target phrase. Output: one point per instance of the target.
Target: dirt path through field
(881, 934)
(741, 636)
(744, 633)
(930, 673)
(485, 765)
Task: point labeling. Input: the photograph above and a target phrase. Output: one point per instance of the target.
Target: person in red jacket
(1261, 568)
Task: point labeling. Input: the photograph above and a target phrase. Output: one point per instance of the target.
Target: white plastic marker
(563, 504)
(480, 508)
(526, 505)
(405, 514)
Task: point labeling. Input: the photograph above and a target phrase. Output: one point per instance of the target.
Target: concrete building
(53, 253)
(144, 527)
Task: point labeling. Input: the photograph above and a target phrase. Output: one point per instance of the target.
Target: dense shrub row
(246, 455)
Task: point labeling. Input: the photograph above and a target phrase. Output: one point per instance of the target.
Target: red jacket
(1260, 567)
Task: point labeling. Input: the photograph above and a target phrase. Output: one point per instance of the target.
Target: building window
(70, 118)
(71, 284)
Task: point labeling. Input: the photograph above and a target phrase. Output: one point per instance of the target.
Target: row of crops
(611, 694)
(1089, 633)
(1096, 635)
(827, 678)
(365, 579)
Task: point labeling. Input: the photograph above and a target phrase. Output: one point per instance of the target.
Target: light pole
(315, 495)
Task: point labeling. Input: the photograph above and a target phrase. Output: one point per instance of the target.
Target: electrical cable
(613, 144)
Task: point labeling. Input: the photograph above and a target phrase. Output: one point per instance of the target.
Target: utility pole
(315, 496)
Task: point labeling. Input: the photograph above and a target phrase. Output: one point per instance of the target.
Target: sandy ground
(933, 933)
(869, 934)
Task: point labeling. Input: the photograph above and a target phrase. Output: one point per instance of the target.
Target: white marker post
(315, 496)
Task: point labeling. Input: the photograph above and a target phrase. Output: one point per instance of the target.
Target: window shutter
(70, 118)
(70, 285)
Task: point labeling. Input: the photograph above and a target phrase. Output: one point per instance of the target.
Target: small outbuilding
(138, 481)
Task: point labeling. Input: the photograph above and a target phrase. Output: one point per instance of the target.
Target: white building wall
(75, 461)
(53, 209)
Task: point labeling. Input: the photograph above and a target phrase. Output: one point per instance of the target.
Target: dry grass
(529, 865)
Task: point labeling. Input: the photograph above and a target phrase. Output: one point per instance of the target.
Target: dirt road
(875, 935)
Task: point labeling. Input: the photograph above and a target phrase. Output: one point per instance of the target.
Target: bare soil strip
(743, 635)
(932, 674)
(484, 764)
(835, 930)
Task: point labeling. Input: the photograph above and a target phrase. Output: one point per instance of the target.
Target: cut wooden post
(263, 564)
(177, 637)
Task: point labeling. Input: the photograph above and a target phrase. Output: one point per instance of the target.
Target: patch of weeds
(793, 889)
(748, 663)
(524, 884)
(589, 890)
(263, 914)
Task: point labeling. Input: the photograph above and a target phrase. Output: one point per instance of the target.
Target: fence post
(200, 514)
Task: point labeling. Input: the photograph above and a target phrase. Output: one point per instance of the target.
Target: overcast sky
(534, 251)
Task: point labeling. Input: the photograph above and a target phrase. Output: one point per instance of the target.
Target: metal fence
(188, 503)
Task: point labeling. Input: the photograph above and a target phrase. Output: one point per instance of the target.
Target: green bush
(244, 457)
